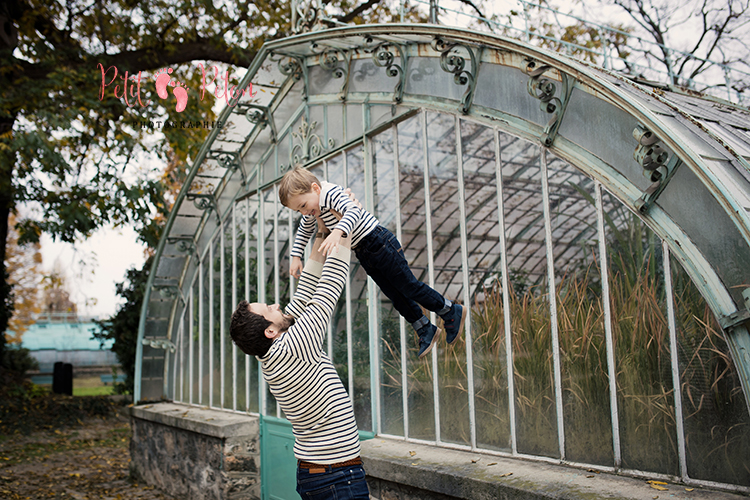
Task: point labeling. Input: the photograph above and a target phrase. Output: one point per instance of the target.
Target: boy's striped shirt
(354, 220)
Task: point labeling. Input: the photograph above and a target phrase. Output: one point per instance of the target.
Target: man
(303, 379)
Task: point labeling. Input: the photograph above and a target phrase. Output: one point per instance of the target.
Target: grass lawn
(90, 386)
(104, 390)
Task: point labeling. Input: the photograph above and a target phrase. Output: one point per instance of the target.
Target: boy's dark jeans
(382, 257)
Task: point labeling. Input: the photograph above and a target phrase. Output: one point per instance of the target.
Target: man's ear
(315, 187)
(270, 333)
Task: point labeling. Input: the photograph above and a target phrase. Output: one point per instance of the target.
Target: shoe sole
(432, 344)
(464, 313)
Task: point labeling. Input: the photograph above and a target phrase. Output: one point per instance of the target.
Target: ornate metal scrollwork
(383, 57)
(294, 67)
(329, 60)
(254, 113)
(185, 244)
(657, 165)
(227, 160)
(303, 18)
(310, 17)
(167, 291)
(203, 201)
(257, 114)
(160, 344)
(308, 146)
(545, 89)
(452, 62)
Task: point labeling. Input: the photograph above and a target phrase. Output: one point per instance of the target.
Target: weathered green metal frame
(733, 316)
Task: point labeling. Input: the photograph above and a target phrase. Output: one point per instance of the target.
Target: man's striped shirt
(354, 220)
(301, 375)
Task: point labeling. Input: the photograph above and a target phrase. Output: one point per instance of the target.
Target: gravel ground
(83, 462)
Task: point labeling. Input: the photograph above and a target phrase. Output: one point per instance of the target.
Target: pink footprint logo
(163, 80)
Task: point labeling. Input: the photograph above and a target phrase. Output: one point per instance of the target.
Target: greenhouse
(597, 227)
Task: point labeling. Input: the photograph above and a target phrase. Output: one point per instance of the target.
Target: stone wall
(195, 453)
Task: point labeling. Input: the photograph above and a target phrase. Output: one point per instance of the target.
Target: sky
(94, 266)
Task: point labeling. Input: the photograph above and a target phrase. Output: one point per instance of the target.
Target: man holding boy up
(378, 250)
(303, 379)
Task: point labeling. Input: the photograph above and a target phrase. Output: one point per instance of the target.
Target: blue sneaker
(453, 322)
(427, 338)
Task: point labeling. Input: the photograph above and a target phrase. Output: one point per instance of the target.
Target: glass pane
(487, 320)
(580, 315)
(644, 378)
(192, 359)
(355, 172)
(217, 368)
(252, 373)
(238, 282)
(203, 373)
(420, 402)
(228, 368)
(335, 174)
(335, 170)
(385, 189)
(536, 425)
(268, 229)
(446, 249)
(717, 425)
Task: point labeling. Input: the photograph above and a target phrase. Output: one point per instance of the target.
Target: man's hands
(331, 243)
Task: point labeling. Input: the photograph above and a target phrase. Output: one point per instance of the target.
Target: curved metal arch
(699, 269)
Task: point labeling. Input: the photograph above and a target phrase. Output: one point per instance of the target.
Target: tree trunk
(9, 12)
(6, 202)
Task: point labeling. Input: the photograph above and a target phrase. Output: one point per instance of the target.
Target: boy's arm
(305, 231)
(308, 281)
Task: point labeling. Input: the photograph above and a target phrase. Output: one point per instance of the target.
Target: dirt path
(84, 462)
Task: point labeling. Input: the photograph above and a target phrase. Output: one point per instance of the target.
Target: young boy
(378, 251)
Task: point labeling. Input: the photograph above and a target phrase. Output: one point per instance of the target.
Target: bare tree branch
(346, 18)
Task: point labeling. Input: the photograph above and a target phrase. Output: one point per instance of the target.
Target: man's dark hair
(248, 331)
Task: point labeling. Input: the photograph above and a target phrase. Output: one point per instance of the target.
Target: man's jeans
(382, 257)
(336, 483)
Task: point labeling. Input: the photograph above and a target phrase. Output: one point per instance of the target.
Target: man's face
(308, 203)
(274, 314)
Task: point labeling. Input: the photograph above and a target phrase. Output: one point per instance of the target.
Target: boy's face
(308, 203)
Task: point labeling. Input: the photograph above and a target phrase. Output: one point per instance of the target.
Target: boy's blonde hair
(296, 182)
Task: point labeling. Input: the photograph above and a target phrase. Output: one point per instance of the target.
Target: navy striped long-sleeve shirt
(355, 221)
(301, 375)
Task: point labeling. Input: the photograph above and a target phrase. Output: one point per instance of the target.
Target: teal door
(278, 467)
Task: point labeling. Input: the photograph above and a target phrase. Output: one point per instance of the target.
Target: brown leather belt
(321, 467)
